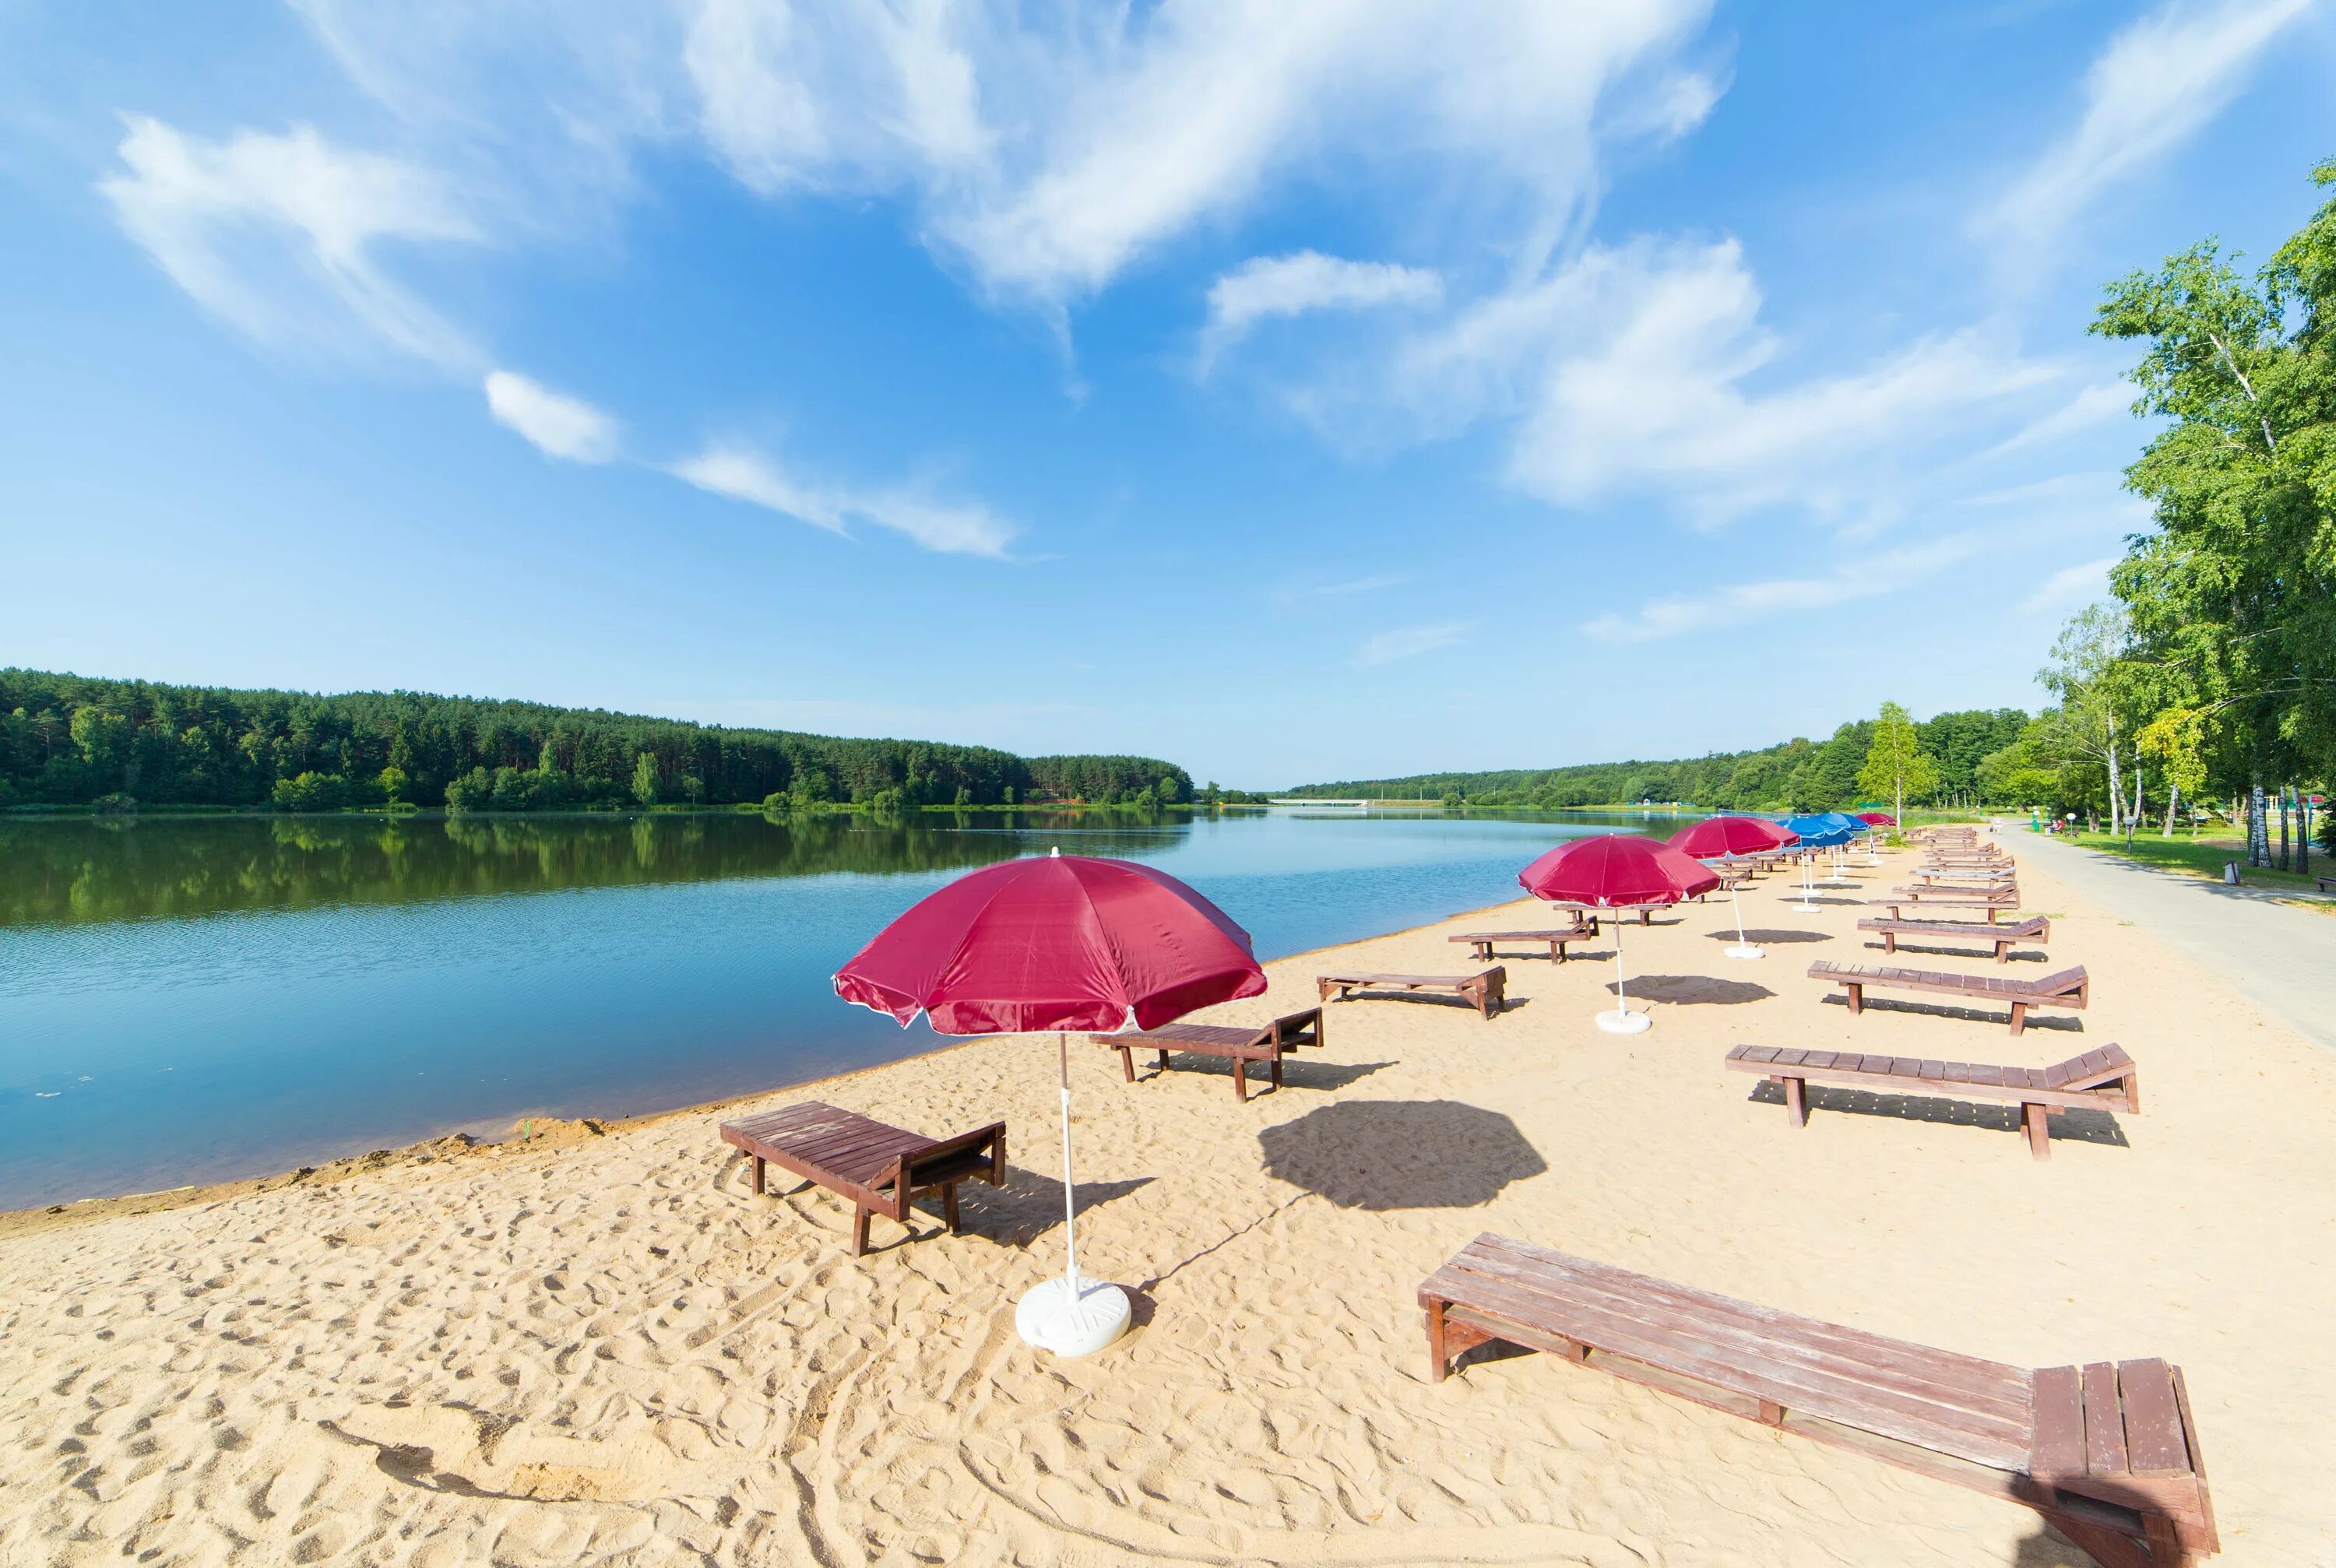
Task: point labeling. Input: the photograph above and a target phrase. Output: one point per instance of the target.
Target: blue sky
(1295, 392)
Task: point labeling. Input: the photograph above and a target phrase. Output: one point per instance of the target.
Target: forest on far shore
(70, 740)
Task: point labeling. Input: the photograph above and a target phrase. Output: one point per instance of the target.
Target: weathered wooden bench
(2324, 883)
(1485, 990)
(1992, 904)
(2035, 928)
(1481, 943)
(1269, 1044)
(2108, 1451)
(1936, 876)
(881, 1169)
(2061, 989)
(2102, 1080)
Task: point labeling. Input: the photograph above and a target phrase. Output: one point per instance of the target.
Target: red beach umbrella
(1877, 819)
(1615, 870)
(1733, 835)
(1056, 943)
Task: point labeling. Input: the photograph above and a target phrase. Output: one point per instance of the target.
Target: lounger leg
(1797, 1101)
(2019, 1016)
(1890, 942)
(1127, 1064)
(1164, 1061)
(1856, 997)
(1277, 1070)
(860, 1231)
(2040, 1131)
(948, 1204)
(2166, 1548)
(1241, 1080)
(758, 1175)
(2002, 951)
(2132, 1082)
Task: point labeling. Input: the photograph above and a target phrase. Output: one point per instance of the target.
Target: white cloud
(957, 528)
(2096, 404)
(1644, 369)
(1735, 604)
(1407, 642)
(2080, 584)
(2155, 85)
(1269, 286)
(560, 425)
(1049, 148)
(279, 235)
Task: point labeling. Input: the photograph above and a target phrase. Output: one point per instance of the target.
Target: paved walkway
(2281, 958)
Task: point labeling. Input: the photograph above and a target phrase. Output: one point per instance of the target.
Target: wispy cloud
(1407, 642)
(2158, 83)
(2078, 584)
(1735, 604)
(1266, 288)
(278, 234)
(957, 528)
(559, 425)
(2096, 404)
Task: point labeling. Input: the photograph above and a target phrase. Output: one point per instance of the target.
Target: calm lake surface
(189, 1001)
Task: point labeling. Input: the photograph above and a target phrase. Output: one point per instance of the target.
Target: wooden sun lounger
(1994, 904)
(2107, 1452)
(1486, 991)
(1991, 888)
(881, 1168)
(2035, 928)
(2104, 1079)
(1268, 1045)
(2062, 988)
(1481, 943)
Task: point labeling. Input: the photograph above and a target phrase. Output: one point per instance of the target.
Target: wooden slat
(2152, 1422)
(2104, 1421)
(2059, 1444)
(1723, 1324)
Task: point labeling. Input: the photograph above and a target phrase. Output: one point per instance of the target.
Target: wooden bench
(1992, 904)
(1485, 990)
(1936, 876)
(2035, 928)
(1481, 943)
(2324, 883)
(1242, 1045)
(2102, 1080)
(2061, 989)
(881, 1169)
(2108, 1451)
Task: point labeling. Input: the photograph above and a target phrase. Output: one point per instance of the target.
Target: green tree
(645, 779)
(1896, 767)
(391, 781)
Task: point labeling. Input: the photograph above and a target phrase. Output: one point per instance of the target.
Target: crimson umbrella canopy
(1057, 943)
(1731, 835)
(1053, 943)
(1615, 870)
(1877, 819)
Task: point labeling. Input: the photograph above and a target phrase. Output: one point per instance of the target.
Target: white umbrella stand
(1623, 1020)
(1068, 1315)
(1742, 949)
(1807, 905)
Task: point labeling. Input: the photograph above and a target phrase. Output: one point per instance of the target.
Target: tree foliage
(69, 740)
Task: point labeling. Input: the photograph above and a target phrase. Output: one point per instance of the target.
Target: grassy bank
(2204, 857)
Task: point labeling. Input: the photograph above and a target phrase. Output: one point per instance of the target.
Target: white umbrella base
(1747, 952)
(1624, 1023)
(1070, 1316)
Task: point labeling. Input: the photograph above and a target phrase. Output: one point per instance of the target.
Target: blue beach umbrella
(1818, 831)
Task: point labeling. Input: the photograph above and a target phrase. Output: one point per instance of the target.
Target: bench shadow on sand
(1969, 1015)
(2033, 955)
(1382, 1154)
(2075, 1126)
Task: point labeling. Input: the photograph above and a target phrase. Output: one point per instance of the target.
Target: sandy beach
(600, 1349)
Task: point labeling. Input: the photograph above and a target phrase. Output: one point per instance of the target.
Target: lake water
(194, 999)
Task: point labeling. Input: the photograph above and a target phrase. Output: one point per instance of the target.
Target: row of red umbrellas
(1064, 943)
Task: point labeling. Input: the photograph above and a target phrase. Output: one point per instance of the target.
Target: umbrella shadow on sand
(2080, 1125)
(1770, 938)
(1692, 989)
(1383, 1155)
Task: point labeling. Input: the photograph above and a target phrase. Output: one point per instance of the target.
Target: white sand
(608, 1353)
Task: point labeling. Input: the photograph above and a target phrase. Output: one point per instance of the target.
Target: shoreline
(458, 1142)
(597, 1346)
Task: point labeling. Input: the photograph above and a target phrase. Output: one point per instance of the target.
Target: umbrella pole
(1742, 949)
(1070, 1205)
